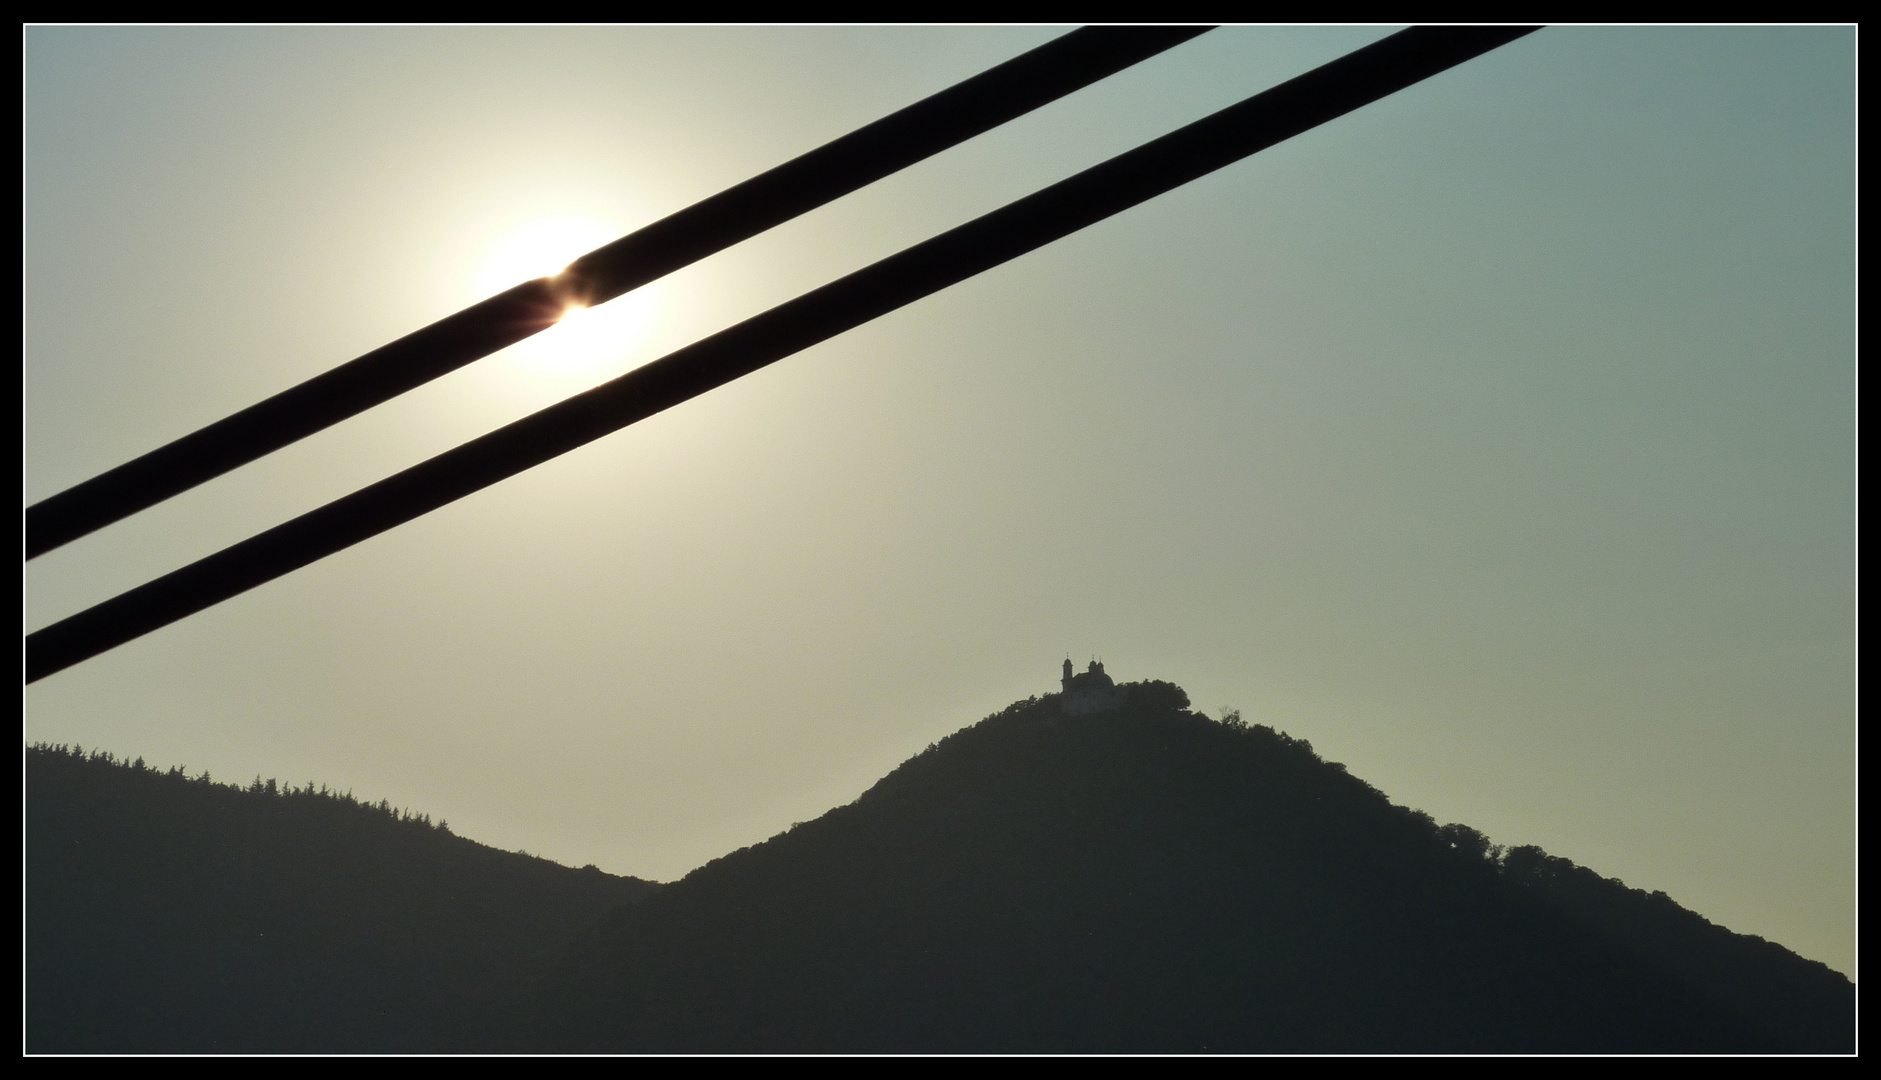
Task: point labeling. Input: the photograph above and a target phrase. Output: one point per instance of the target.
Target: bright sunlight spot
(588, 342)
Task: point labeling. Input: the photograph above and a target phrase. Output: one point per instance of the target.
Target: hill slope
(1147, 879)
(168, 913)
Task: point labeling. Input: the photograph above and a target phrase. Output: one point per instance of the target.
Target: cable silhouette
(921, 130)
(1229, 135)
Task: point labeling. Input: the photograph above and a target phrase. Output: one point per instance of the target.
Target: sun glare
(587, 342)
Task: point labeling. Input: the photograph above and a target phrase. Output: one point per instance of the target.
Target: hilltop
(1136, 877)
(1144, 878)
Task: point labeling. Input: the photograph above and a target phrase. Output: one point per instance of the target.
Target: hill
(172, 913)
(1138, 878)
(1148, 879)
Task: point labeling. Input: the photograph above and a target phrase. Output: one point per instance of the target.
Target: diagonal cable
(921, 130)
(1272, 116)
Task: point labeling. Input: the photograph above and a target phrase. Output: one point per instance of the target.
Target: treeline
(258, 787)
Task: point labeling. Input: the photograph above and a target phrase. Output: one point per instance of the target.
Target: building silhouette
(1089, 691)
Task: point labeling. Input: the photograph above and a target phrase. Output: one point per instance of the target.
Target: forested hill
(1148, 879)
(1141, 879)
(166, 912)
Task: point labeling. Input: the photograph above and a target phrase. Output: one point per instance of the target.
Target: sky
(1498, 438)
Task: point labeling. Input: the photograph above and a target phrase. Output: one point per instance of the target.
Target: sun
(587, 342)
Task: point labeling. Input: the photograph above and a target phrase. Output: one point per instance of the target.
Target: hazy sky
(1498, 438)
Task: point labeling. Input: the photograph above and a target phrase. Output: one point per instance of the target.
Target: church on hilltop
(1090, 691)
